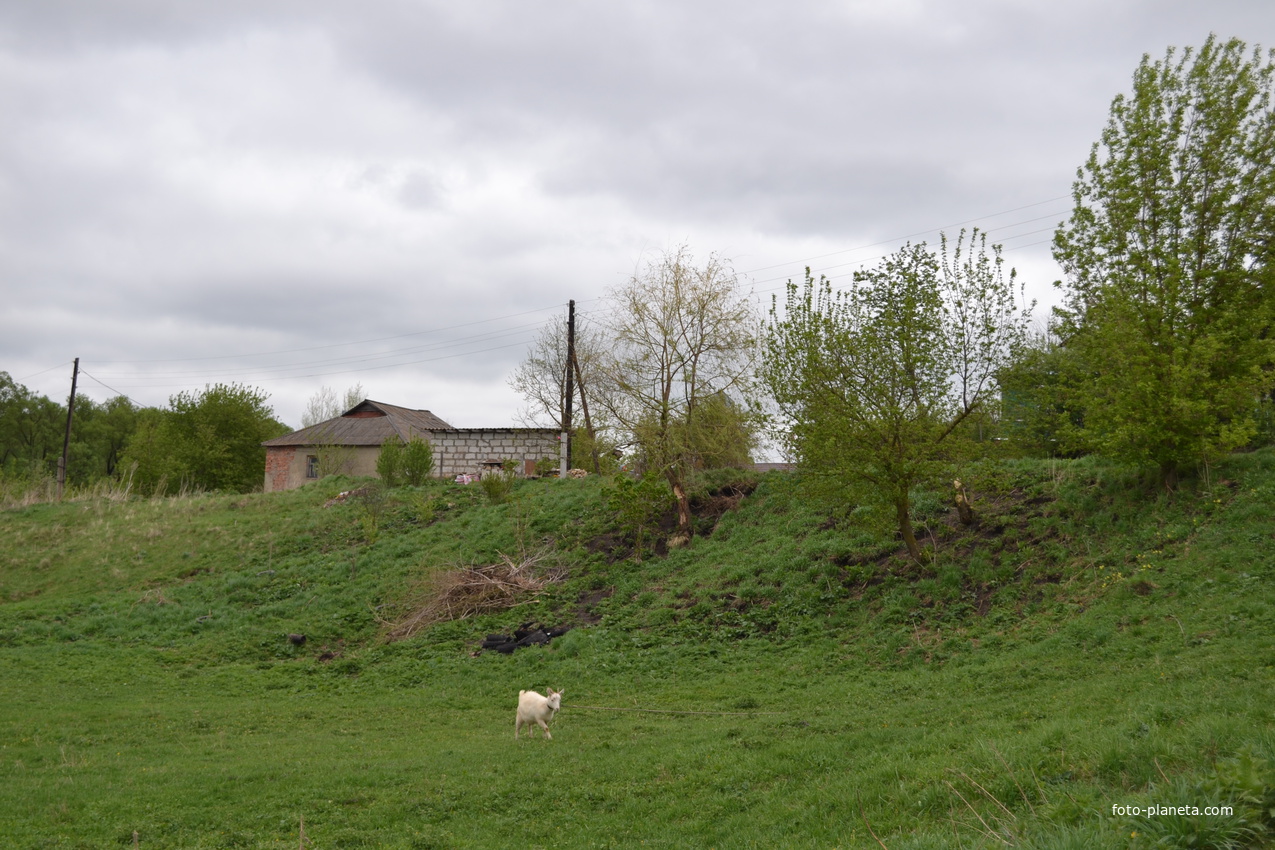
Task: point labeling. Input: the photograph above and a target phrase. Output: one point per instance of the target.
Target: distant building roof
(368, 423)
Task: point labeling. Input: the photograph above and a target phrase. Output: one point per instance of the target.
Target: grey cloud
(73, 25)
(420, 191)
(198, 178)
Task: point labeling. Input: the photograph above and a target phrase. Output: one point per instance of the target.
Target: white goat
(534, 708)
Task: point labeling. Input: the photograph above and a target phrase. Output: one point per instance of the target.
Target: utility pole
(66, 440)
(570, 387)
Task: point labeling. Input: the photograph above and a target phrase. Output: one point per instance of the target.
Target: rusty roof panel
(356, 428)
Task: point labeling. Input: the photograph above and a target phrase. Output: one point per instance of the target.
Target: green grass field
(1089, 645)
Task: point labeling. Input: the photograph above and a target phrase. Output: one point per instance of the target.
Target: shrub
(409, 463)
(498, 485)
(637, 504)
(371, 503)
(389, 463)
(418, 461)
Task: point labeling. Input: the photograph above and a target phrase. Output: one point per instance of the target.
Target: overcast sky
(304, 193)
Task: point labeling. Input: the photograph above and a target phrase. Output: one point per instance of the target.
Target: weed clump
(497, 484)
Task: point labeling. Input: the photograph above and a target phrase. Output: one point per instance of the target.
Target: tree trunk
(964, 510)
(1169, 475)
(683, 534)
(903, 509)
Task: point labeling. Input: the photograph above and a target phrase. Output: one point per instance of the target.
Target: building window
(311, 466)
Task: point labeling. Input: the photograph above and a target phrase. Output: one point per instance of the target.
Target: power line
(374, 360)
(367, 358)
(1029, 245)
(918, 233)
(363, 369)
(362, 357)
(824, 270)
(336, 344)
(112, 389)
(62, 365)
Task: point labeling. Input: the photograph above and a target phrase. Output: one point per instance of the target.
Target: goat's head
(555, 699)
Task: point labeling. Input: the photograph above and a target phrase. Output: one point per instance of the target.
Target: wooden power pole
(66, 440)
(570, 386)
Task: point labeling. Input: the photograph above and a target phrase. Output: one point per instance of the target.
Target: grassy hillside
(1087, 645)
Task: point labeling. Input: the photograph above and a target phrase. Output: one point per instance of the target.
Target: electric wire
(339, 344)
(112, 389)
(45, 371)
(362, 357)
(146, 381)
(919, 233)
(462, 346)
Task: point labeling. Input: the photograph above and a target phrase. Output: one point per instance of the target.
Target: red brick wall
(278, 459)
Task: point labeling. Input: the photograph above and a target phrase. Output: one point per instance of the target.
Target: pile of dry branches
(465, 591)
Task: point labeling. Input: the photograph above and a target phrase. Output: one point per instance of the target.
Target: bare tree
(322, 406)
(326, 404)
(680, 336)
(541, 378)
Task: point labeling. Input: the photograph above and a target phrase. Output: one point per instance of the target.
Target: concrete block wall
(464, 451)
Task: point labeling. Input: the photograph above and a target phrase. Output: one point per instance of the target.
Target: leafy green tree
(148, 456)
(1168, 257)
(874, 381)
(86, 461)
(210, 439)
(219, 434)
(31, 429)
(1042, 399)
(98, 437)
(721, 434)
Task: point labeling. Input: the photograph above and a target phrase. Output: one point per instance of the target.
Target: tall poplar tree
(1168, 258)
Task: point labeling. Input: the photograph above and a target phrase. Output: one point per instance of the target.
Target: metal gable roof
(368, 423)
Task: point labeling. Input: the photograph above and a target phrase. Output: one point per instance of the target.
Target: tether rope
(671, 711)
